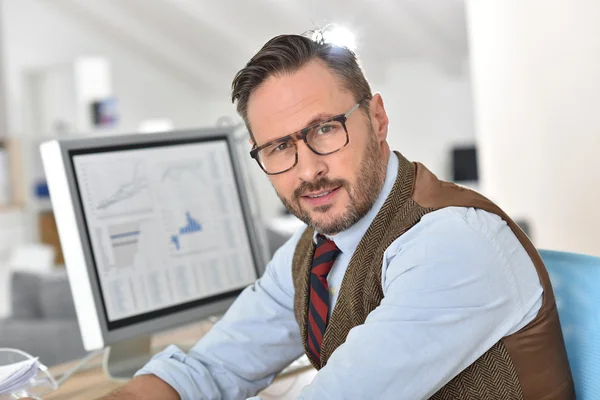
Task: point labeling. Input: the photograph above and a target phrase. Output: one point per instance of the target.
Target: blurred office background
(500, 95)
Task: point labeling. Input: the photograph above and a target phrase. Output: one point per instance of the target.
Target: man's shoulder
(456, 229)
(469, 239)
(467, 220)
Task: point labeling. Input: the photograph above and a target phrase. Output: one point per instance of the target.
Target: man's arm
(146, 387)
(240, 355)
(451, 293)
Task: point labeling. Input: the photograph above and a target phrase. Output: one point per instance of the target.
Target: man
(401, 287)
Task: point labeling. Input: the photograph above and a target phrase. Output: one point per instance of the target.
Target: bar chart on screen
(125, 241)
(190, 235)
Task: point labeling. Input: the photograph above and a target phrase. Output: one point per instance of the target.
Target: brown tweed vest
(529, 364)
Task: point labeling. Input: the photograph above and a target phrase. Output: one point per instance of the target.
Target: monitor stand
(123, 359)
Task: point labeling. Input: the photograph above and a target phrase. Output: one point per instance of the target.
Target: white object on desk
(22, 375)
(16, 376)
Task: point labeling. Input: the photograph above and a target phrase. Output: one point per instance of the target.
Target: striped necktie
(318, 304)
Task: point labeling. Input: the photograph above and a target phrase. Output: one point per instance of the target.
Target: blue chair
(576, 282)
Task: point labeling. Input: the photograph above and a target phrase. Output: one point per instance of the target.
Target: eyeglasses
(323, 138)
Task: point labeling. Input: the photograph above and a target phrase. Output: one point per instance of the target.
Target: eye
(281, 147)
(325, 129)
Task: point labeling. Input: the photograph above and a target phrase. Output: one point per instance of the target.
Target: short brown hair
(287, 54)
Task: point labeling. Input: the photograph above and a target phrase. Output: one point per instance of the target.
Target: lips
(319, 194)
(321, 198)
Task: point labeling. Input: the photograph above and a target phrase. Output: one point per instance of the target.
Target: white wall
(537, 90)
(39, 35)
(3, 122)
(430, 111)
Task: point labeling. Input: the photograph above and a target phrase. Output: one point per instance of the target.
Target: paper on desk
(16, 376)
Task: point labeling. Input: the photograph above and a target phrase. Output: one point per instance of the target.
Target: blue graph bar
(175, 241)
(192, 226)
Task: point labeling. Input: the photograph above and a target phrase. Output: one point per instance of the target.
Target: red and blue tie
(318, 304)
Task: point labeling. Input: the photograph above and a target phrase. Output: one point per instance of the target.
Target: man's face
(329, 193)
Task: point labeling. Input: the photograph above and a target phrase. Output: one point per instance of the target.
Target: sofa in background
(43, 320)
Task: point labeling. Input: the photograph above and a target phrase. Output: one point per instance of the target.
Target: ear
(379, 117)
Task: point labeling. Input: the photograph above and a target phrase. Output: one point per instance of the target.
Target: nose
(310, 166)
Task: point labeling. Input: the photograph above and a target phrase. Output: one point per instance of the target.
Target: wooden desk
(93, 383)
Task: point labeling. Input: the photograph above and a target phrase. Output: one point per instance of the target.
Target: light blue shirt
(453, 285)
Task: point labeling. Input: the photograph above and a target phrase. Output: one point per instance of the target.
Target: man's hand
(147, 387)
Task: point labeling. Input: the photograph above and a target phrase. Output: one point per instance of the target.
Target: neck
(385, 152)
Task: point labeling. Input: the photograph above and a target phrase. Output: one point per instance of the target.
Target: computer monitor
(156, 232)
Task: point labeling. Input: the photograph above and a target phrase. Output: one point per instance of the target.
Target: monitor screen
(165, 224)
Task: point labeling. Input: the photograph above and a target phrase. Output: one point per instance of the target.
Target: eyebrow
(319, 118)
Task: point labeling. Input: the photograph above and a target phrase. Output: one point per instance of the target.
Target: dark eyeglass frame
(301, 135)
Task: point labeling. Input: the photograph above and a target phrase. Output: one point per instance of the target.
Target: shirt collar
(347, 240)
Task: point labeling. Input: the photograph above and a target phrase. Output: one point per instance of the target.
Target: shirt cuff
(180, 372)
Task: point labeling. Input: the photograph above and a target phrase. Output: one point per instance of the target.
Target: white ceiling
(207, 42)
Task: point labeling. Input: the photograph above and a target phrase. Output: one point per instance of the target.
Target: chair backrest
(576, 282)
